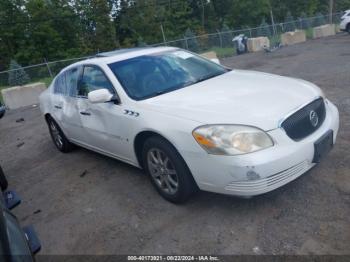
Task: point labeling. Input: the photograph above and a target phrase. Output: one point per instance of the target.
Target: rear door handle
(58, 107)
(85, 113)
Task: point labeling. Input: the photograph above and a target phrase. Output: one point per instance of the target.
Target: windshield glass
(151, 75)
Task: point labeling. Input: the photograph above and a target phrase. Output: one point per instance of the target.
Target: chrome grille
(306, 120)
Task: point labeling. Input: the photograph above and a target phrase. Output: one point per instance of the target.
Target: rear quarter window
(60, 84)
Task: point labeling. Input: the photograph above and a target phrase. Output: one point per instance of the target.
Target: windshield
(151, 75)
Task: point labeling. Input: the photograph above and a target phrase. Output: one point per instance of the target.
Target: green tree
(222, 10)
(264, 29)
(226, 36)
(145, 18)
(304, 21)
(51, 32)
(34, 30)
(319, 20)
(289, 23)
(247, 12)
(191, 40)
(96, 24)
(341, 5)
(17, 75)
(12, 31)
(280, 8)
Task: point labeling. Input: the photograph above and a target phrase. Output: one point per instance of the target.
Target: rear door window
(60, 84)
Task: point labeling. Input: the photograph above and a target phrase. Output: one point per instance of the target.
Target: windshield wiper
(188, 83)
(207, 77)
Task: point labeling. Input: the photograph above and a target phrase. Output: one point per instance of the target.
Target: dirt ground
(85, 203)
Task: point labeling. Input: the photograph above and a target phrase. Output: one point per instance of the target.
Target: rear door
(67, 105)
(58, 98)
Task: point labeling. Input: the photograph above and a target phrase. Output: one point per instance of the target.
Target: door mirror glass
(100, 96)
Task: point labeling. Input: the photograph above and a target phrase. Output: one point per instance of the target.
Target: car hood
(238, 97)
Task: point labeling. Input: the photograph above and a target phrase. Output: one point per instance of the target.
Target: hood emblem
(313, 118)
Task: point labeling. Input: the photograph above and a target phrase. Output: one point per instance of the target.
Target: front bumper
(343, 25)
(263, 171)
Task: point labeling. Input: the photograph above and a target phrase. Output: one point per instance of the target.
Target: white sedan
(191, 123)
(345, 22)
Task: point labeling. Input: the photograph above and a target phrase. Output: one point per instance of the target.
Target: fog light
(251, 175)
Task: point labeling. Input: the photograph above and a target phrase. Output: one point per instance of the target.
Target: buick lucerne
(191, 123)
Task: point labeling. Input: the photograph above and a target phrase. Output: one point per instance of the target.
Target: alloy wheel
(162, 171)
(57, 138)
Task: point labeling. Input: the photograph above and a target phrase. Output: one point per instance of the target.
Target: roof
(122, 54)
(120, 51)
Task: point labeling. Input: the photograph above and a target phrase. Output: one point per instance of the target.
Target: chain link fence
(220, 42)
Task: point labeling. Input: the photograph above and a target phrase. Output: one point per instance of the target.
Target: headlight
(231, 139)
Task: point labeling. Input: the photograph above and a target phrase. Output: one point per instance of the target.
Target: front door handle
(58, 107)
(85, 113)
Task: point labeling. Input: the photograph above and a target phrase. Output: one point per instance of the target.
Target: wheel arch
(141, 138)
(47, 116)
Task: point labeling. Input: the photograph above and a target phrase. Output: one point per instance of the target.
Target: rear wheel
(58, 137)
(348, 28)
(167, 170)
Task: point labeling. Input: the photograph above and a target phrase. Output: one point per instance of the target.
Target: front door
(102, 122)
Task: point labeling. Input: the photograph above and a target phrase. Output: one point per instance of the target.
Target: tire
(3, 180)
(58, 137)
(2, 110)
(169, 172)
(348, 28)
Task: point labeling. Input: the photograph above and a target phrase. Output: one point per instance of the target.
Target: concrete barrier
(258, 44)
(323, 31)
(337, 29)
(19, 96)
(291, 38)
(211, 56)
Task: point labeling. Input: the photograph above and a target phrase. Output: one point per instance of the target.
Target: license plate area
(323, 146)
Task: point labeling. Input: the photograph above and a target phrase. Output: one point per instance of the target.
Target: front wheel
(167, 170)
(348, 28)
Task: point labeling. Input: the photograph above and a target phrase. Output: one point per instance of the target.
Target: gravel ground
(85, 203)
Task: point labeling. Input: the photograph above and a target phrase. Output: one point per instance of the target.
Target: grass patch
(222, 52)
(274, 40)
(309, 33)
(46, 80)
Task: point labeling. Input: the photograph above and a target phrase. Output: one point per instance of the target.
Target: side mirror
(100, 96)
(215, 60)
